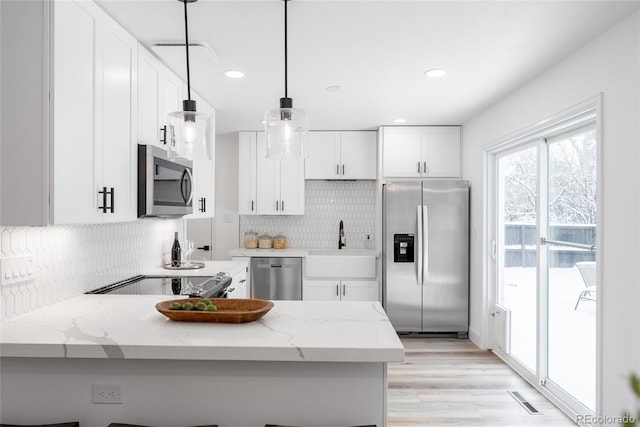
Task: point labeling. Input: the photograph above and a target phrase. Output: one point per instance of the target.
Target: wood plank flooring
(451, 382)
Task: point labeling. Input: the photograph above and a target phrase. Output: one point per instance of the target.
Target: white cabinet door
(75, 29)
(359, 290)
(427, 151)
(150, 74)
(268, 180)
(239, 285)
(441, 151)
(341, 155)
(247, 273)
(320, 290)
(118, 156)
(402, 152)
(247, 202)
(291, 187)
(280, 183)
(323, 161)
(358, 155)
(204, 170)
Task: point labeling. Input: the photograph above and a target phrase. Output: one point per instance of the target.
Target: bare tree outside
(572, 186)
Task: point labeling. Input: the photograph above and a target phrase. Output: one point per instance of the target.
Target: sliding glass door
(543, 213)
(516, 249)
(569, 243)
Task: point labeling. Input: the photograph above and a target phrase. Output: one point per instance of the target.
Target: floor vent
(524, 403)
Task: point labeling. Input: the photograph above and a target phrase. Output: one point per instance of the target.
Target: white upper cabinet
(159, 93)
(247, 179)
(267, 187)
(119, 155)
(341, 155)
(150, 74)
(280, 183)
(204, 170)
(426, 151)
(82, 140)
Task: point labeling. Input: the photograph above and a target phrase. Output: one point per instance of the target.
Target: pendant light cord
(285, 49)
(186, 37)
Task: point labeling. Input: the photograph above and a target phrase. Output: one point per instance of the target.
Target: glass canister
(280, 241)
(250, 239)
(265, 242)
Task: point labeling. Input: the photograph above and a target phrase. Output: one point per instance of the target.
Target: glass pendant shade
(190, 134)
(286, 131)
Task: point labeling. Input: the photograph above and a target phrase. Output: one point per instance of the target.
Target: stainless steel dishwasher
(276, 278)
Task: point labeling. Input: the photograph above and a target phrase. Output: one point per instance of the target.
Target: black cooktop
(194, 286)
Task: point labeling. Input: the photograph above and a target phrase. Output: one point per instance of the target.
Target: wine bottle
(175, 251)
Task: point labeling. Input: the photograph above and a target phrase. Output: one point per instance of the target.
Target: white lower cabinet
(238, 287)
(339, 290)
(241, 282)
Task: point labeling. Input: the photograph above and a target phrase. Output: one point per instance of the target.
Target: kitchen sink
(342, 263)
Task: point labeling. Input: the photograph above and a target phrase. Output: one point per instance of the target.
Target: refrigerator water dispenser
(403, 248)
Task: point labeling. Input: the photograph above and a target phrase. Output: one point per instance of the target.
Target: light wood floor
(451, 382)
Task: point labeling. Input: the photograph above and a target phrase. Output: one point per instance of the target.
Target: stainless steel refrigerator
(426, 256)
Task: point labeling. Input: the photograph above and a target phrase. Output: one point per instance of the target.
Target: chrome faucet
(342, 241)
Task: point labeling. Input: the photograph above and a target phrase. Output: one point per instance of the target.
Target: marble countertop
(129, 327)
(299, 252)
(211, 268)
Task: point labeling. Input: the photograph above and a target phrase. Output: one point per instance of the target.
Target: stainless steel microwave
(165, 186)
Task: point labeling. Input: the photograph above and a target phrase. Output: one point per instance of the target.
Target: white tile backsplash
(70, 260)
(327, 202)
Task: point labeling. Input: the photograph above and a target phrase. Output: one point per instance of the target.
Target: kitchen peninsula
(304, 363)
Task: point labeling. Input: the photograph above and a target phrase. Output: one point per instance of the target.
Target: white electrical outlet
(106, 393)
(16, 269)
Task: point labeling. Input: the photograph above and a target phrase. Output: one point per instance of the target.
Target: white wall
(609, 64)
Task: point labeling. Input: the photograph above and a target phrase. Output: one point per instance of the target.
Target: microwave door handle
(184, 174)
(190, 186)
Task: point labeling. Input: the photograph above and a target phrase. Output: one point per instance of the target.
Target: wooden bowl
(229, 310)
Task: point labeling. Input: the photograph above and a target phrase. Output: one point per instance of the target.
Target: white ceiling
(376, 51)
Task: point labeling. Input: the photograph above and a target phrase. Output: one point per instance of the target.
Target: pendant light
(190, 129)
(286, 128)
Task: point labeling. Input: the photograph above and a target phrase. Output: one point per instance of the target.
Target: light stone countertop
(299, 252)
(211, 268)
(129, 327)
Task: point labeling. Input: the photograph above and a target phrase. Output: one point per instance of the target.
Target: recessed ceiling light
(399, 120)
(233, 74)
(436, 72)
(333, 88)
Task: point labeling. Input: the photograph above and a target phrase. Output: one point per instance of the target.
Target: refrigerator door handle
(419, 267)
(425, 243)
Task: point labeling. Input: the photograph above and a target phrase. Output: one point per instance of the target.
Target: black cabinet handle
(204, 248)
(104, 199)
(203, 204)
(252, 206)
(106, 193)
(163, 129)
(113, 192)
